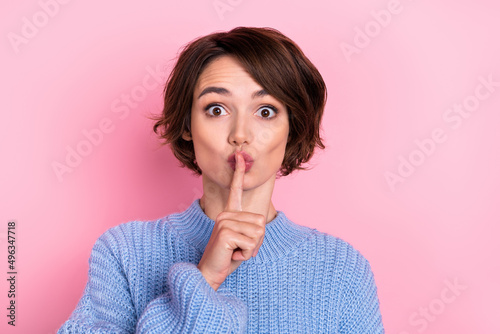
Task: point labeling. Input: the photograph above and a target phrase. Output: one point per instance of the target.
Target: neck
(255, 200)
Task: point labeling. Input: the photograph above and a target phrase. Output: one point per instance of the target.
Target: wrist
(210, 282)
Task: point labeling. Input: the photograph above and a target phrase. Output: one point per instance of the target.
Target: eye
(215, 110)
(268, 111)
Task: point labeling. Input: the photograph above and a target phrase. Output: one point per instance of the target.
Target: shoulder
(126, 232)
(335, 251)
(131, 244)
(133, 235)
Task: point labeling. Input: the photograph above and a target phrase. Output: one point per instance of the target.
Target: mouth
(248, 161)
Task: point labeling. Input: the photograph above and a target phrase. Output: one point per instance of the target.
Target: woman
(241, 108)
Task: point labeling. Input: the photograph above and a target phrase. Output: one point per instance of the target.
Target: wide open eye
(215, 110)
(268, 112)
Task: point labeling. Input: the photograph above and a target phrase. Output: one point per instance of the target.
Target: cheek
(207, 145)
(280, 138)
(272, 143)
(203, 136)
(272, 135)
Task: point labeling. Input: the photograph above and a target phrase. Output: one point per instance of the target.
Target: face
(231, 110)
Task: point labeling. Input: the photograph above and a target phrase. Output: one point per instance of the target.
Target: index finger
(236, 188)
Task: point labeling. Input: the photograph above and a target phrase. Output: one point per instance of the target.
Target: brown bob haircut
(275, 62)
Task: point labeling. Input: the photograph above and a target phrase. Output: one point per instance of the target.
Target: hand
(236, 237)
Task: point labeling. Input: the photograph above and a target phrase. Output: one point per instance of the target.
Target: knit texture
(143, 279)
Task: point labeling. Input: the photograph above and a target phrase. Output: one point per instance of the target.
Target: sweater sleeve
(106, 305)
(193, 306)
(360, 305)
(189, 306)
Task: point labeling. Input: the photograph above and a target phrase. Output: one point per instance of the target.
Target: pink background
(70, 73)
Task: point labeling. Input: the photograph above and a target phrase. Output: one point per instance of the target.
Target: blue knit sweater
(143, 279)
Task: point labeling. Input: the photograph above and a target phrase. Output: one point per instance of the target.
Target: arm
(360, 310)
(190, 305)
(106, 305)
(193, 306)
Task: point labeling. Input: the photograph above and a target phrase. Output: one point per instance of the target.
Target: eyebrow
(223, 91)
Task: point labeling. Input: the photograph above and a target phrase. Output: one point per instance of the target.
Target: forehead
(224, 69)
(226, 76)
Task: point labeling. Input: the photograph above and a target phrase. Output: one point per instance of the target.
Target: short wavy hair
(275, 62)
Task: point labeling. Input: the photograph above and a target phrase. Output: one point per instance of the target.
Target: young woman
(241, 108)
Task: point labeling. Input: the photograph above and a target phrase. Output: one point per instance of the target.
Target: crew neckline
(281, 236)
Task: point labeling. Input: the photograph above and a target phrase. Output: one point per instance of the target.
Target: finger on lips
(236, 189)
(246, 220)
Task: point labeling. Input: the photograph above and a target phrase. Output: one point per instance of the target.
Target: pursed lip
(248, 160)
(246, 156)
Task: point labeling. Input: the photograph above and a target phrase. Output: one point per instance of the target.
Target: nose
(240, 132)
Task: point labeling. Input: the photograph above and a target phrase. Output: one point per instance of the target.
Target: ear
(186, 135)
